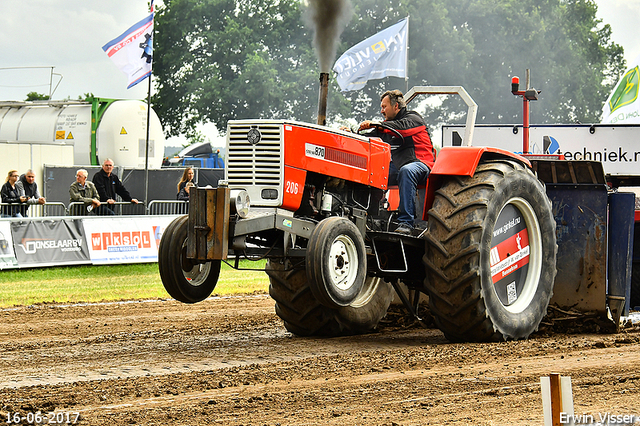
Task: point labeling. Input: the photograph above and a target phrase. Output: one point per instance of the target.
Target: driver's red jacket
(416, 142)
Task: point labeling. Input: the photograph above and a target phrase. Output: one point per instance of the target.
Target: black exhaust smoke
(327, 18)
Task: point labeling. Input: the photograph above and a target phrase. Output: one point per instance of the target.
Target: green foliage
(35, 96)
(218, 60)
(196, 137)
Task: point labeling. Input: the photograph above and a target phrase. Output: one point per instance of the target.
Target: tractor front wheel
(184, 279)
(336, 262)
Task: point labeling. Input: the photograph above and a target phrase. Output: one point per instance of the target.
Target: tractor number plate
(314, 151)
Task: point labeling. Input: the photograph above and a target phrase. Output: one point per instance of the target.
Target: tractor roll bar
(450, 90)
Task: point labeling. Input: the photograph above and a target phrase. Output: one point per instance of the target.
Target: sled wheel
(490, 254)
(336, 262)
(184, 280)
(304, 315)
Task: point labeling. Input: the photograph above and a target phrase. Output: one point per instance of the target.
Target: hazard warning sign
(60, 134)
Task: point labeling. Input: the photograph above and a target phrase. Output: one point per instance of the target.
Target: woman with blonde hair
(183, 188)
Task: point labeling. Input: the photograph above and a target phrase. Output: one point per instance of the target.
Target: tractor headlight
(240, 202)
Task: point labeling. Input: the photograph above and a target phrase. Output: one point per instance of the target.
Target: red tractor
(314, 202)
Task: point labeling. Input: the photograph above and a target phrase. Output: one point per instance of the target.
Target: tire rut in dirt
(304, 315)
(466, 302)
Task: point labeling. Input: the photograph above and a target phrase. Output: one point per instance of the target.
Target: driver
(412, 157)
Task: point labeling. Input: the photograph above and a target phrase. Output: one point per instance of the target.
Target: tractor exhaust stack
(322, 98)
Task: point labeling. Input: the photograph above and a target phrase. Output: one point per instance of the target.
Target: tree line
(216, 60)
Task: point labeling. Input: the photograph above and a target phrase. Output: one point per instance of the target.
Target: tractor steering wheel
(387, 127)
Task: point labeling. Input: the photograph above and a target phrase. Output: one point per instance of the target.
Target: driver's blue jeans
(408, 178)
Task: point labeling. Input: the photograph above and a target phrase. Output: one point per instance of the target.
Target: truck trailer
(77, 133)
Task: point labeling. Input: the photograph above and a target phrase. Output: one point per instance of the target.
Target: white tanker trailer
(77, 133)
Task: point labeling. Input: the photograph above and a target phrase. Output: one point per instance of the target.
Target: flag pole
(146, 150)
(406, 60)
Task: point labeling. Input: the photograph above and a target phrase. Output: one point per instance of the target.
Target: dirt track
(230, 361)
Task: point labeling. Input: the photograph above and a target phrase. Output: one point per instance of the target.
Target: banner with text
(381, 55)
(49, 243)
(125, 240)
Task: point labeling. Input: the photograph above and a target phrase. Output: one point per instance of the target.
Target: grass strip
(75, 284)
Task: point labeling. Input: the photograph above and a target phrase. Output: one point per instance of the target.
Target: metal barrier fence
(33, 210)
(162, 207)
(57, 209)
(117, 209)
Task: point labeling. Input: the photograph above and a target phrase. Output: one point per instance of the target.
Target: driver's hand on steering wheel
(366, 125)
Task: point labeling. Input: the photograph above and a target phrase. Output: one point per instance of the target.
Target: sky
(61, 43)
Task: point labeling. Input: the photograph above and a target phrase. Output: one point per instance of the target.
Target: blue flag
(381, 55)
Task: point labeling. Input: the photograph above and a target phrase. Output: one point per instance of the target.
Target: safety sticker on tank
(509, 255)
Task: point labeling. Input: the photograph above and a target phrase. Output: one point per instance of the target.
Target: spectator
(108, 185)
(84, 191)
(11, 195)
(28, 187)
(183, 188)
(183, 195)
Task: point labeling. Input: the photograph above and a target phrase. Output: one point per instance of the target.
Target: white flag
(132, 52)
(622, 106)
(381, 55)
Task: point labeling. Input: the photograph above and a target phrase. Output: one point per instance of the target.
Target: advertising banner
(7, 256)
(615, 146)
(49, 242)
(125, 240)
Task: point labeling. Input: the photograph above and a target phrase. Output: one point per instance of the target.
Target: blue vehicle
(200, 155)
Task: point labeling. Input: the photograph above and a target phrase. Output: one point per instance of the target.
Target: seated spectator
(84, 191)
(108, 185)
(28, 187)
(11, 195)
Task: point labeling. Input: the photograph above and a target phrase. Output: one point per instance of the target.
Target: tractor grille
(258, 165)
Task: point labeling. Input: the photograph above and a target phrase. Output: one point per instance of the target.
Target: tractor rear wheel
(185, 280)
(490, 254)
(304, 315)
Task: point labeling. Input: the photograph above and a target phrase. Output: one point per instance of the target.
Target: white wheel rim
(343, 262)
(198, 273)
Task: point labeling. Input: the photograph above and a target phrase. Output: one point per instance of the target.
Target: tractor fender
(461, 161)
